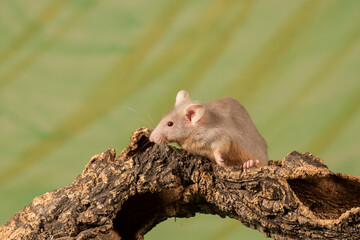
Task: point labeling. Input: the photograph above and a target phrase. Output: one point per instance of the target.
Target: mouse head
(180, 122)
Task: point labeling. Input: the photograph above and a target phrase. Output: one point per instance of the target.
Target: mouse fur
(220, 130)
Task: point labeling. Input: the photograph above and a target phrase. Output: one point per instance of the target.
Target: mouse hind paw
(250, 163)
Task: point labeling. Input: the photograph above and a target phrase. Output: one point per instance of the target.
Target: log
(124, 197)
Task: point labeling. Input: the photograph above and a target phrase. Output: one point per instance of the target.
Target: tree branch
(124, 197)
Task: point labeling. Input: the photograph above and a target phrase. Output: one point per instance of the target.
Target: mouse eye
(170, 123)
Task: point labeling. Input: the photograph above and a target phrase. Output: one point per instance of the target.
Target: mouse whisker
(150, 119)
(147, 124)
(167, 154)
(176, 150)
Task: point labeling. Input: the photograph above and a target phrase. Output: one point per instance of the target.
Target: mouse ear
(181, 97)
(194, 112)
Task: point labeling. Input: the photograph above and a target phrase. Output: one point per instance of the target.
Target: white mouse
(220, 130)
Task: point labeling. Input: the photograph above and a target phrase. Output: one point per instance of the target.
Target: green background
(79, 76)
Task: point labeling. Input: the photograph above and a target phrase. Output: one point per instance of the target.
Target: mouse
(220, 130)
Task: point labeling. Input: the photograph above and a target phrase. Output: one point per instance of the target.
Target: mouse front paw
(218, 158)
(250, 163)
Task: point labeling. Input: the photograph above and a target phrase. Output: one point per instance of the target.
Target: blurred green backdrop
(77, 77)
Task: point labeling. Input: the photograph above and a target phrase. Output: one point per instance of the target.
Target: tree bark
(124, 197)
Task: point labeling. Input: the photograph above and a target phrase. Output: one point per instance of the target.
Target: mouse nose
(151, 138)
(154, 136)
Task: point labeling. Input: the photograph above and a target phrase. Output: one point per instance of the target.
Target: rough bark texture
(124, 197)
